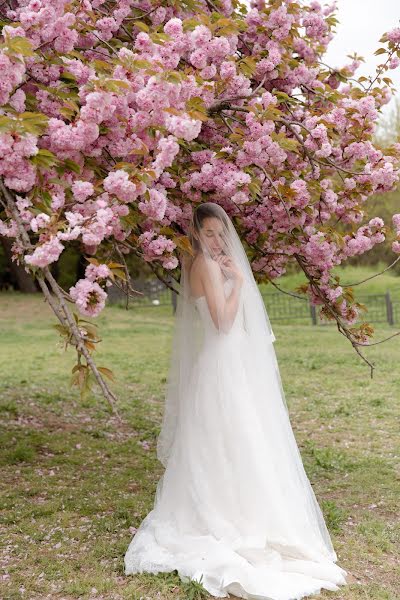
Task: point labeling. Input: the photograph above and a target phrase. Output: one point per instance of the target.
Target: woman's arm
(222, 310)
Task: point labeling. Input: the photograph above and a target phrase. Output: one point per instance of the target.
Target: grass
(76, 484)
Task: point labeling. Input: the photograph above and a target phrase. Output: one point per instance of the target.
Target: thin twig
(278, 193)
(292, 294)
(372, 276)
(127, 275)
(80, 344)
(342, 328)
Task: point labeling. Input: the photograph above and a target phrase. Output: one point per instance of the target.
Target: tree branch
(61, 311)
(342, 328)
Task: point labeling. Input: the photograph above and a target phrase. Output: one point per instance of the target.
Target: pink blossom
(186, 128)
(74, 218)
(94, 272)
(240, 198)
(396, 246)
(200, 36)
(46, 253)
(227, 70)
(19, 174)
(302, 195)
(170, 263)
(106, 27)
(155, 206)
(153, 246)
(167, 148)
(98, 108)
(8, 229)
(12, 73)
(394, 35)
(66, 41)
(315, 25)
(89, 297)
(396, 221)
(65, 138)
(17, 100)
(117, 183)
(40, 221)
(82, 190)
(158, 16)
(57, 200)
(173, 27)
(145, 444)
(376, 222)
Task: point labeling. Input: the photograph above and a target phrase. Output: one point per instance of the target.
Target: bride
(234, 509)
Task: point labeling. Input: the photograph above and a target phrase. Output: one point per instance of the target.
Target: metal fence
(381, 308)
(282, 308)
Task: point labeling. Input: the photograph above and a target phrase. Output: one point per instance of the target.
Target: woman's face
(212, 235)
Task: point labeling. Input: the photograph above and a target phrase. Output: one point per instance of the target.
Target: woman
(234, 508)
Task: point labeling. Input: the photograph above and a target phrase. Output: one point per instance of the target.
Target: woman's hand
(229, 267)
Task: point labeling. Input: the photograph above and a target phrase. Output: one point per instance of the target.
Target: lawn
(76, 482)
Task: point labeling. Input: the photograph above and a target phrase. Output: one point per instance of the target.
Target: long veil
(188, 330)
(305, 527)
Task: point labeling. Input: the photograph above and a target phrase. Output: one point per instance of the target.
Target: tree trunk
(15, 274)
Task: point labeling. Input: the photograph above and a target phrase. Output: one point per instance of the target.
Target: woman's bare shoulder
(203, 265)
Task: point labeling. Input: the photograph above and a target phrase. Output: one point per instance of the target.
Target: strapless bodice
(208, 324)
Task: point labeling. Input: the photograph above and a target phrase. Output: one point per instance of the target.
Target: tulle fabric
(234, 508)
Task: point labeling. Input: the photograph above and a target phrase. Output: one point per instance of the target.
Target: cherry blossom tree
(119, 116)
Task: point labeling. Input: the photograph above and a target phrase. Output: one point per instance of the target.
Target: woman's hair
(204, 211)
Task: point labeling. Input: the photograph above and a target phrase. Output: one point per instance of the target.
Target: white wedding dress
(234, 508)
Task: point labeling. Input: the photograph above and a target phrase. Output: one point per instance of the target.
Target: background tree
(118, 117)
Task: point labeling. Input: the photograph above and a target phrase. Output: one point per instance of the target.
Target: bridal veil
(294, 523)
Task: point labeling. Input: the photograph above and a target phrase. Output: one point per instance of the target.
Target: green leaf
(119, 273)
(271, 113)
(116, 85)
(190, 24)
(284, 142)
(289, 144)
(44, 158)
(196, 114)
(91, 330)
(68, 113)
(107, 372)
(35, 123)
(254, 188)
(19, 45)
(67, 76)
(283, 97)
(61, 328)
(247, 66)
(142, 26)
(196, 103)
(102, 65)
(222, 154)
(72, 166)
(173, 77)
(6, 124)
(160, 38)
(142, 64)
(229, 30)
